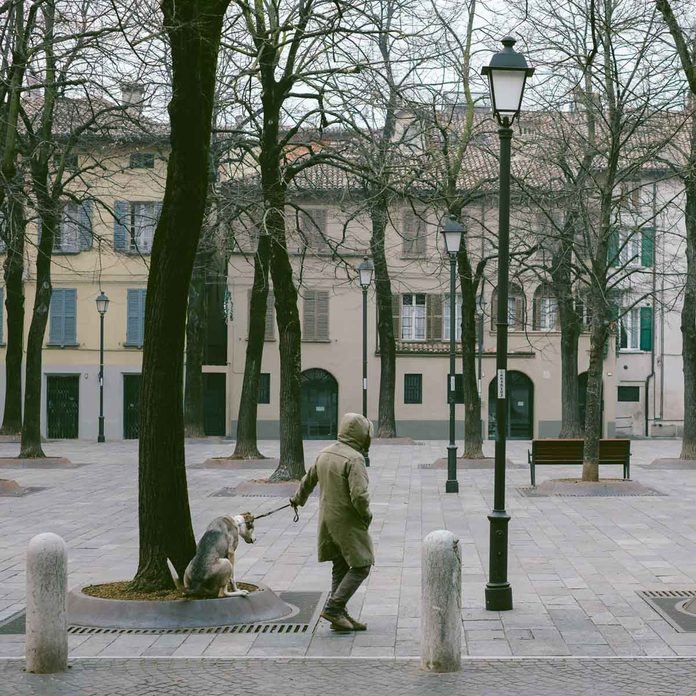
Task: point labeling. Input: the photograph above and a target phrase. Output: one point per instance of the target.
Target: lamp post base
(498, 596)
(100, 436)
(452, 485)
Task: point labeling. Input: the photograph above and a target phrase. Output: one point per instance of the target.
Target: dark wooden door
(63, 406)
(319, 405)
(131, 406)
(520, 407)
(214, 386)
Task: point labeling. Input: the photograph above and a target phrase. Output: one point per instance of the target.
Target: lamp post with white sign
(507, 73)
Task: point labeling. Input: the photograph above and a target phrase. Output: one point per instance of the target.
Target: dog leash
(272, 512)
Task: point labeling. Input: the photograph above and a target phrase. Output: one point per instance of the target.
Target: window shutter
(2, 301)
(434, 307)
(135, 319)
(613, 249)
(519, 312)
(85, 225)
(421, 238)
(409, 233)
(69, 316)
(646, 328)
(309, 315)
(55, 333)
(121, 214)
(322, 311)
(269, 334)
(647, 247)
(158, 214)
(396, 316)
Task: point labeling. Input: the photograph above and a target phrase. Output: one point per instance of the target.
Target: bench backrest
(611, 451)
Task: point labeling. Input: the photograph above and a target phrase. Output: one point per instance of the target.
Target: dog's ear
(248, 517)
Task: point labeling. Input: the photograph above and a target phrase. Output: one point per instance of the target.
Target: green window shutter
(433, 308)
(135, 320)
(309, 315)
(322, 310)
(121, 215)
(270, 317)
(85, 225)
(55, 331)
(647, 247)
(613, 248)
(69, 316)
(396, 316)
(646, 328)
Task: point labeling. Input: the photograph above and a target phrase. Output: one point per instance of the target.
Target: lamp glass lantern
(365, 272)
(507, 74)
(452, 231)
(102, 303)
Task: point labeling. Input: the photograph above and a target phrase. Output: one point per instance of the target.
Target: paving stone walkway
(302, 677)
(575, 564)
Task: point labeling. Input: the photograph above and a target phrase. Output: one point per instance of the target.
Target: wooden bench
(558, 452)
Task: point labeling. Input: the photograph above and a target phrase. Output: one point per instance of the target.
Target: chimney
(133, 96)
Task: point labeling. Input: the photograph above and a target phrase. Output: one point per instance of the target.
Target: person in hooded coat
(344, 515)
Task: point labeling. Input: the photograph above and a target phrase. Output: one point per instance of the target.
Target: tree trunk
(291, 465)
(246, 446)
(473, 437)
(386, 421)
(31, 427)
(593, 413)
(688, 313)
(14, 303)
(570, 403)
(193, 28)
(195, 344)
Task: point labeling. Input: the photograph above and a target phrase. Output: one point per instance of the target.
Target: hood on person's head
(355, 431)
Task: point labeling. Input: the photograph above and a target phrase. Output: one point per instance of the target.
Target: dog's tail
(177, 580)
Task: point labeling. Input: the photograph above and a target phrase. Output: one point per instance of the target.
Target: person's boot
(357, 625)
(337, 619)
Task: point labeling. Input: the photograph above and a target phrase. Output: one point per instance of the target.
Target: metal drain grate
(302, 621)
(265, 628)
(669, 605)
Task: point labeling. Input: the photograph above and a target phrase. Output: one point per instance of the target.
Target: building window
(63, 317)
(545, 309)
(413, 317)
(134, 225)
(413, 234)
(515, 309)
(632, 247)
(135, 317)
(264, 388)
(312, 229)
(74, 233)
(635, 329)
(142, 160)
(413, 389)
(446, 318)
(315, 316)
(628, 394)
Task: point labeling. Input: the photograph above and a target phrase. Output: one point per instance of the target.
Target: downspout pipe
(651, 376)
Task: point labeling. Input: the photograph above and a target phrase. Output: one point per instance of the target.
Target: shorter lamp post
(507, 73)
(452, 232)
(102, 306)
(365, 272)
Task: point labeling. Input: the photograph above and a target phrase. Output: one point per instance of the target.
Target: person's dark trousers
(344, 582)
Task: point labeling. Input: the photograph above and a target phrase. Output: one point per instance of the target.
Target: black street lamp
(452, 232)
(102, 306)
(507, 73)
(365, 272)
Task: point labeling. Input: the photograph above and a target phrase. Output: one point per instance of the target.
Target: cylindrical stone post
(46, 646)
(441, 602)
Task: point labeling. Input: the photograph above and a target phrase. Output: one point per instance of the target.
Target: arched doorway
(319, 405)
(520, 406)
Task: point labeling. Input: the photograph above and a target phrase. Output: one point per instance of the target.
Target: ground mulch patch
(123, 590)
(37, 463)
(233, 463)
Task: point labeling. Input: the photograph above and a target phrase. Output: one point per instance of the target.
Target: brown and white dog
(211, 571)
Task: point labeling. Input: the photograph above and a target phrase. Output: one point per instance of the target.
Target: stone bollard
(46, 646)
(441, 603)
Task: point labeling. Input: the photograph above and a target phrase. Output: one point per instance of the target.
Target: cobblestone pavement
(575, 564)
(478, 677)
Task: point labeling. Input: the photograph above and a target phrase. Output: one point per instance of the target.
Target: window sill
(316, 340)
(66, 252)
(127, 252)
(133, 346)
(62, 345)
(632, 351)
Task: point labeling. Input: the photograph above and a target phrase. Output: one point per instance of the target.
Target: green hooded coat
(344, 503)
